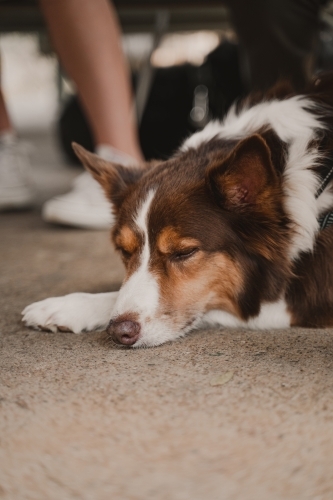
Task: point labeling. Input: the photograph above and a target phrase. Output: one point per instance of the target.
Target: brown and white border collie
(225, 232)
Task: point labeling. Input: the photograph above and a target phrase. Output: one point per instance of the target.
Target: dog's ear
(242, 179)
(114, 179)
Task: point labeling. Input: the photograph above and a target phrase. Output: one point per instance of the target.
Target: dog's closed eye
(184, 254)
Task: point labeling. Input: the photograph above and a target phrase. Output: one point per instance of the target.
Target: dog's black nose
(124, 332)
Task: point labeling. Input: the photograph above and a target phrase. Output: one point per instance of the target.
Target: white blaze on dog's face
(139, 296)
(175, 230)
(170, 280)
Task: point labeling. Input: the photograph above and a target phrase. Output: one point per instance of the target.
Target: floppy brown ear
(114, 179)
(244, 177)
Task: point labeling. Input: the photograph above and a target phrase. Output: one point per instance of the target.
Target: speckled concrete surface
(83, 419)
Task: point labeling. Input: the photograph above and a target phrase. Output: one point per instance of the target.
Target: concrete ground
(218, 415)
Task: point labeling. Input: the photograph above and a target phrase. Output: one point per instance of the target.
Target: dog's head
(204, 230)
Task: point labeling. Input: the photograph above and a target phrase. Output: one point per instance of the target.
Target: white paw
(75, 313)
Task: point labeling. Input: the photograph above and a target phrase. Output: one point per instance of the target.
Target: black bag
(182, 99)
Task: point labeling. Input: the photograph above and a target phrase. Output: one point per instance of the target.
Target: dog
(233, 230)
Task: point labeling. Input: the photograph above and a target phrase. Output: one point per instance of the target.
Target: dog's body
(225, 232)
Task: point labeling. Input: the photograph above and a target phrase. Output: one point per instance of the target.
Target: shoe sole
(73, 219)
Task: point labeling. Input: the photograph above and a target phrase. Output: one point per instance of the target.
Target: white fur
(295, 124)
(272, 315)
(300, 185)
(288, 118)
(156, 332)
(324, 202)
(77, 312)
(140, 294)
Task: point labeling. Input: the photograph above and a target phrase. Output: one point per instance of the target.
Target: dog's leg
(76, 312)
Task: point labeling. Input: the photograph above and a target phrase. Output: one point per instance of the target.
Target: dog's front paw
(75, 313)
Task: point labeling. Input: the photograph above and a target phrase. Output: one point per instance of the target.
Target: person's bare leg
(5, 123)
(87, 38)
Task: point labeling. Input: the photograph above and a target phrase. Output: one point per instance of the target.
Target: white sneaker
(86, 205)
(15, 188)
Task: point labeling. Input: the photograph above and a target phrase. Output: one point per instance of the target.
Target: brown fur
(127, 240)
(224, 201)
(253, 234)
(201, 283)
(169, 241)
(310, 293)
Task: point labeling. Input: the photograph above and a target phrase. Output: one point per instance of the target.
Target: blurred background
(41, 99)
(187, 65)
